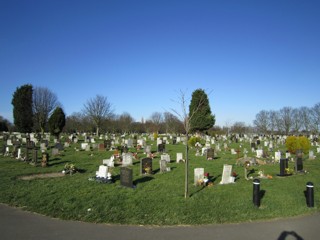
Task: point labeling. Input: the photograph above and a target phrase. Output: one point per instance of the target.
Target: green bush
(294, 143)
(193, 140)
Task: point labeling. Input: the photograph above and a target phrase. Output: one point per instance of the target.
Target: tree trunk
(186, 185)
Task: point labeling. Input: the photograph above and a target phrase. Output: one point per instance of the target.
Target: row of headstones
(126, 173)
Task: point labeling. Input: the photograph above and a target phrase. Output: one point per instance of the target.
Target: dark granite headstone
(35, 156)
(299, 162)
(210, 154)
(161, 147)
(146, 166)
(59, 146)
(126, 177)
(107, 144)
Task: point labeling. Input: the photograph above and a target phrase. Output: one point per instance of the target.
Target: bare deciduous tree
(186, 118)
(98, 109)
(44, 102)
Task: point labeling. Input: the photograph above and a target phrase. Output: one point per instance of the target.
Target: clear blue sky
(251, 55)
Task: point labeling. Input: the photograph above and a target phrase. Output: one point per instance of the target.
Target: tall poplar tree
(200, 115)
(22, 108)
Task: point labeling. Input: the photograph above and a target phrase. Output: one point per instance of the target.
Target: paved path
(16, 224)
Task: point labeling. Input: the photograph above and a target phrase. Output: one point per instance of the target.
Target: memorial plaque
(126, 177)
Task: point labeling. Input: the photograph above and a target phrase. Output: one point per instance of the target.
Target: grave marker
(226, 174)
(198, 176)
(146, 166)
(126, 177)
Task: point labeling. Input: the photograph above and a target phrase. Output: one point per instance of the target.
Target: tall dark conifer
(22, 108)
(200, 115)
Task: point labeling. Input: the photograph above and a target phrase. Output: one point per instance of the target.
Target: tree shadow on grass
(50, 164)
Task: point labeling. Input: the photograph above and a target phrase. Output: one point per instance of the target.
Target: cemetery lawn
(157, 199)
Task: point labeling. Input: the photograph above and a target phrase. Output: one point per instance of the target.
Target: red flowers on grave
(234, 174)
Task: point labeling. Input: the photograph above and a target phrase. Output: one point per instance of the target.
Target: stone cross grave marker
(198, 176)
(226, 174)
(126, 177)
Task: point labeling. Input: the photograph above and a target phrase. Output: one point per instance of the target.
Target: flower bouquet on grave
(69, 168)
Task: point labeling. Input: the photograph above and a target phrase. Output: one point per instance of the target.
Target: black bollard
(310, 195)
(256, 192)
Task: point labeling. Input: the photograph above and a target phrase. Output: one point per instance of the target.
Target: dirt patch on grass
(41, 175)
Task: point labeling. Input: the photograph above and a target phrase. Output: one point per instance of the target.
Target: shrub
(155, 136)
(192, 141)
(294, 143)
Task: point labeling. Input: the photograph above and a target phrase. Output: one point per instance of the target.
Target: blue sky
(250, 55)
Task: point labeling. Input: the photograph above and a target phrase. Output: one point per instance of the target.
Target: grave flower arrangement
(69, 168)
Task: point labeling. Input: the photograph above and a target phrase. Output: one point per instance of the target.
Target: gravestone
(102, 172)
(226, 174)
(161, 147)
(146, 166)
(277, 156)
(179, 157)
(283, 166)
(59, 146)
(126, 177)
(108, 162)
(84, 146)
(299, 161)
(126, 159)
(163, 165)
(35, 156)
(55, 151)
(253, 145)
(148, 149)
(165, 157)
(210, 154)
(259, 153)
(45, 159)
(107, 144)
(101, 147)
(311, 155)
(198, 176)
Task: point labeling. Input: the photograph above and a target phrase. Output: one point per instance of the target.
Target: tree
(172, 123)
(199, 108)
(57, 121)
(262, 121)
(286, 114)
(156, 119)
(44, 102)
(4, 124)
(22, 108)
(315, 118)
(187, 120)
(98, 109)
(305, 113)
(125, 120)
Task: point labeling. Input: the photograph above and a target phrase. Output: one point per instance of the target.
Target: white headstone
(198, 175)
(226, 174)
(108, 162)
(277, 156)
(259, 153)
(179, 157)
(126, 159)
(102, 172)
(165, 157)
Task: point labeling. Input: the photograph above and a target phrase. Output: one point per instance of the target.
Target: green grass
(158, 199)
